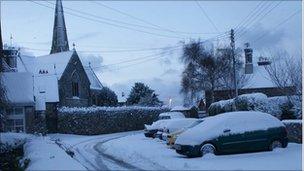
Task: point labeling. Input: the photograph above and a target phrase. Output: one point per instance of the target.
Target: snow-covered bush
(101, 120)
(221, 107)
(254, 101)
(11, 150)
(278, 106)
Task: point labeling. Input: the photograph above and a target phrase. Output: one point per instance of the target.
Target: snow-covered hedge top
(292, 121)
(237, 122)
(172, 115)
(82, 110)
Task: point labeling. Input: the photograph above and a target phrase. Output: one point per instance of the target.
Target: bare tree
(286, 73)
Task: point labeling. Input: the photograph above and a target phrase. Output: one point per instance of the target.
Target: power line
(249, 15)
(254, 17)
(153, 56)
(112, 24)
(278, 25)
(113, 51)
(262, 17)
(204, 12)
(147, 22)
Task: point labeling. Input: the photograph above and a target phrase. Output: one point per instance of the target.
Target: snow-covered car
(177, 124)
(233, 132)
(170, 115)
(151, 130)
(171, 137)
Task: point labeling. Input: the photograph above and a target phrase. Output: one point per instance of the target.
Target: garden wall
(104, 120)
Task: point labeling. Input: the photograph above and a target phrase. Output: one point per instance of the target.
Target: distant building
(259, 81)
(57, 79)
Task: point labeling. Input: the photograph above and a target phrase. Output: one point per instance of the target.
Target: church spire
(60, 39)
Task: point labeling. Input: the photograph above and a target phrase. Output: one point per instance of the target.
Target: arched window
(75, 89)
(75, 84)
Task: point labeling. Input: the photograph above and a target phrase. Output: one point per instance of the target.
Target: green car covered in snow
(233, 132)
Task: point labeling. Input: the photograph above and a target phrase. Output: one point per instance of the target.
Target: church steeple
(60, 39)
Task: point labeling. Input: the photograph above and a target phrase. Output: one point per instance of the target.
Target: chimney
(248, 59)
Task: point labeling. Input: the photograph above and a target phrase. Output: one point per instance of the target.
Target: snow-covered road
(133, 151)
(88, 153)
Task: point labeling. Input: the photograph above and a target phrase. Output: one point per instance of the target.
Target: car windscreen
(163, 117)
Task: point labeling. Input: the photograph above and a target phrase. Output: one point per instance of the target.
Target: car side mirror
(226, 130)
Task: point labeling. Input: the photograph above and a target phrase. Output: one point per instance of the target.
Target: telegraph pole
(232, 44)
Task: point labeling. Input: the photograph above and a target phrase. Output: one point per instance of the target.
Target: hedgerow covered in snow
(101, 120)
(277, 106)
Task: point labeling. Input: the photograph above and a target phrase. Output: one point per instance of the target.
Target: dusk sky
(129, 41)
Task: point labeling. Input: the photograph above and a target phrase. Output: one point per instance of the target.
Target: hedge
(103, 120)
(277, 106)
(294, 130)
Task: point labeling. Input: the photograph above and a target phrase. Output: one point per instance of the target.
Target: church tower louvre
(60, 39)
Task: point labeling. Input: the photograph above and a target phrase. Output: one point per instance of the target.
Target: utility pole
(232, 44)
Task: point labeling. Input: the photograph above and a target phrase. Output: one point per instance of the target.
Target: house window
(75, 89)
(15, 121)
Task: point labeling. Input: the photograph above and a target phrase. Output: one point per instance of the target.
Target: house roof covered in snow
(259, 79)
(53, 64)
(19, 87)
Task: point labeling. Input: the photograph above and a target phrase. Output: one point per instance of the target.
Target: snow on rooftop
(53, 64)
(19, 87)
(259, 79)
(95, 83)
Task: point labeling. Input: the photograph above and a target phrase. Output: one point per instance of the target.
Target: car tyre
(207, 149)
(275, 144)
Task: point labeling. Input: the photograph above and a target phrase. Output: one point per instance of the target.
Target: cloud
(170, 72)
(84, 36)
(95, 61)
(262, 38)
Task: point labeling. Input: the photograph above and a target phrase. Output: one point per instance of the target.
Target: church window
(75, 89)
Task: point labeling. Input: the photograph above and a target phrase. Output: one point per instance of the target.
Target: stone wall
(74, 72)
(104, 120)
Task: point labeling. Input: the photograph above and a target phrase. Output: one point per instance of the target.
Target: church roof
(95, 83)
(48, 69)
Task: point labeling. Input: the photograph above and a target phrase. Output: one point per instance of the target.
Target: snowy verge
(151, 154)
(14, 139)
(44, 154)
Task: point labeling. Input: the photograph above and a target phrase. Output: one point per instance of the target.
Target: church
(36, 86)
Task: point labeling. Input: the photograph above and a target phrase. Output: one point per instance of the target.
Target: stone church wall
(74, 72)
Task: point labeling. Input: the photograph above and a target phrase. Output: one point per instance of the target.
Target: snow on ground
(85, 152)
(151, 154)
(44, 154)
(14, 139)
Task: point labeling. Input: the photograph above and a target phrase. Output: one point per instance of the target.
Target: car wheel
(207, 149)
(275, 144)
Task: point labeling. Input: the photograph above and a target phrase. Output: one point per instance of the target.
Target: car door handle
(226, 130)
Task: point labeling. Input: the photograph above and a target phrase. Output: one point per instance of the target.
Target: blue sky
(31, 26)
